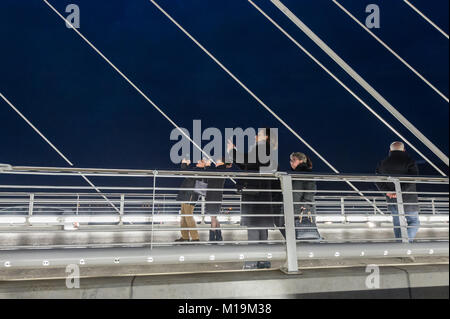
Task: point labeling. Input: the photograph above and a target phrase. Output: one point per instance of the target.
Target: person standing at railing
(250, 162)
(305, 224)
(213, 209)
(400, 163)
(187, 207)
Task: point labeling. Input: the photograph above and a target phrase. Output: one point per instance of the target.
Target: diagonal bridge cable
(132, 84)
(426, 18)
(391, 51)
(262, 103)
(55, 149)
(358, 79)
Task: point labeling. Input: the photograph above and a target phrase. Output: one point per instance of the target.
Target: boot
(212, 235)
(219, 235)
(263, 264)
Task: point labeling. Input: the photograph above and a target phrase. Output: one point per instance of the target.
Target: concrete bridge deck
(320, 278)
(139, 236)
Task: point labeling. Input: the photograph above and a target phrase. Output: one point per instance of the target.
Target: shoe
(195, 239)
(264, 264)
(251, 265)
(219, 235)
(212, 235)
(181, 240)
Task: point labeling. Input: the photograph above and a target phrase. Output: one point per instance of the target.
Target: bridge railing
(46, 200)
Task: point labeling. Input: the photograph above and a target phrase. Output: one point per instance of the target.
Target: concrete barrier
(399, 282)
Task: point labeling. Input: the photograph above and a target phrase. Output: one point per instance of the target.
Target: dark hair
(309, 163)
(303, 157)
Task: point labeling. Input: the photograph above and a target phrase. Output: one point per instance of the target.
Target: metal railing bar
(240, 174)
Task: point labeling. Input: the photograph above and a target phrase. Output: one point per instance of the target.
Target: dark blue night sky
(98, 120)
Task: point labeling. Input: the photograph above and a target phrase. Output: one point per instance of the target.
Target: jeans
(412, 221)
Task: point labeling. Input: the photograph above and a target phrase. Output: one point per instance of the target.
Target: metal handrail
(206, 174)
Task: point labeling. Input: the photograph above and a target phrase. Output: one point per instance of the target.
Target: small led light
(241, 256)
(181, 258)
(7, 264)
(269, 256)
(371, 224)
(363, 253)
(82, 262)
(117, 260)
(431, 251)
(311, 254)
(408, 252)
(212, 257)
(337, 254)
(386, 253)
(149, 259)
(45, 263)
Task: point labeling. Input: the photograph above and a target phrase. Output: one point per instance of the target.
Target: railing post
(30, 208)
(202, 207)
(122, 208)
(155, 173)
(78, 204)
(343, 210)
(401, 210)
(289, 222)
(433, 206)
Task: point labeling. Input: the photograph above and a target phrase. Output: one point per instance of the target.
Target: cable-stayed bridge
(107, 228)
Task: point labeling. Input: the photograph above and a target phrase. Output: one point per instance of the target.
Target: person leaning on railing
(213, 209)
(400, 163)
(305, 224)
(187, 209)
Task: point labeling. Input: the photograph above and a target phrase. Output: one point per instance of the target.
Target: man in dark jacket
(251, 162)
(400, 163)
